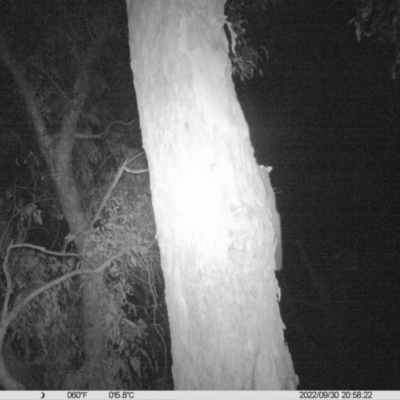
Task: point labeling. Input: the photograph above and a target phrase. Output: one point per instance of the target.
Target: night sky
(327, 120)
(326, 116)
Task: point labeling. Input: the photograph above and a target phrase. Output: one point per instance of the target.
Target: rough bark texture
(213, 222)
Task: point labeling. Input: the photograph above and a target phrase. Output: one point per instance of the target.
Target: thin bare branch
(136, 171)
(55, 84)
(43, 250)
(112, 187)
(9, 284)
(104, 133)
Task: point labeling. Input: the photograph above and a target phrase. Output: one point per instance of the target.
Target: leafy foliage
(379, 19)
(246, 56)
(30, 211)
(135, 312)
(48, 332)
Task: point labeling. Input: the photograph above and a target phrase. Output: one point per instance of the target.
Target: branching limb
(112, 187)
(7, 318)
(18, 307)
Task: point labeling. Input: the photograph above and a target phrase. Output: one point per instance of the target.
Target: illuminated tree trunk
(213, 223)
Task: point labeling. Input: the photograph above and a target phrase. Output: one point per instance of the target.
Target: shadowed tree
(56, 136)
(213, 222)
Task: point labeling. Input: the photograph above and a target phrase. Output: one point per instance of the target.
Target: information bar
(206, 395)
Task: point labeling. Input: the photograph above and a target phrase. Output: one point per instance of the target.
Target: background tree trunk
(56, 150)
(213, 223)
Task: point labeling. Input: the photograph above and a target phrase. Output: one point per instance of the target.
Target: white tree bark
(213, 222)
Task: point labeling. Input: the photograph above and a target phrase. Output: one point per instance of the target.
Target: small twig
(9, 284)
(88, 27)
(130, 323)
(111, 188)
(55, 84)
(101, 165)
(136, 171)
(100, 135)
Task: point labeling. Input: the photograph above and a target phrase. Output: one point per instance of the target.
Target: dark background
(326, 117)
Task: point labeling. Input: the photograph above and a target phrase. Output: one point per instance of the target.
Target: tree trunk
(56, 150)
(213, 223)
